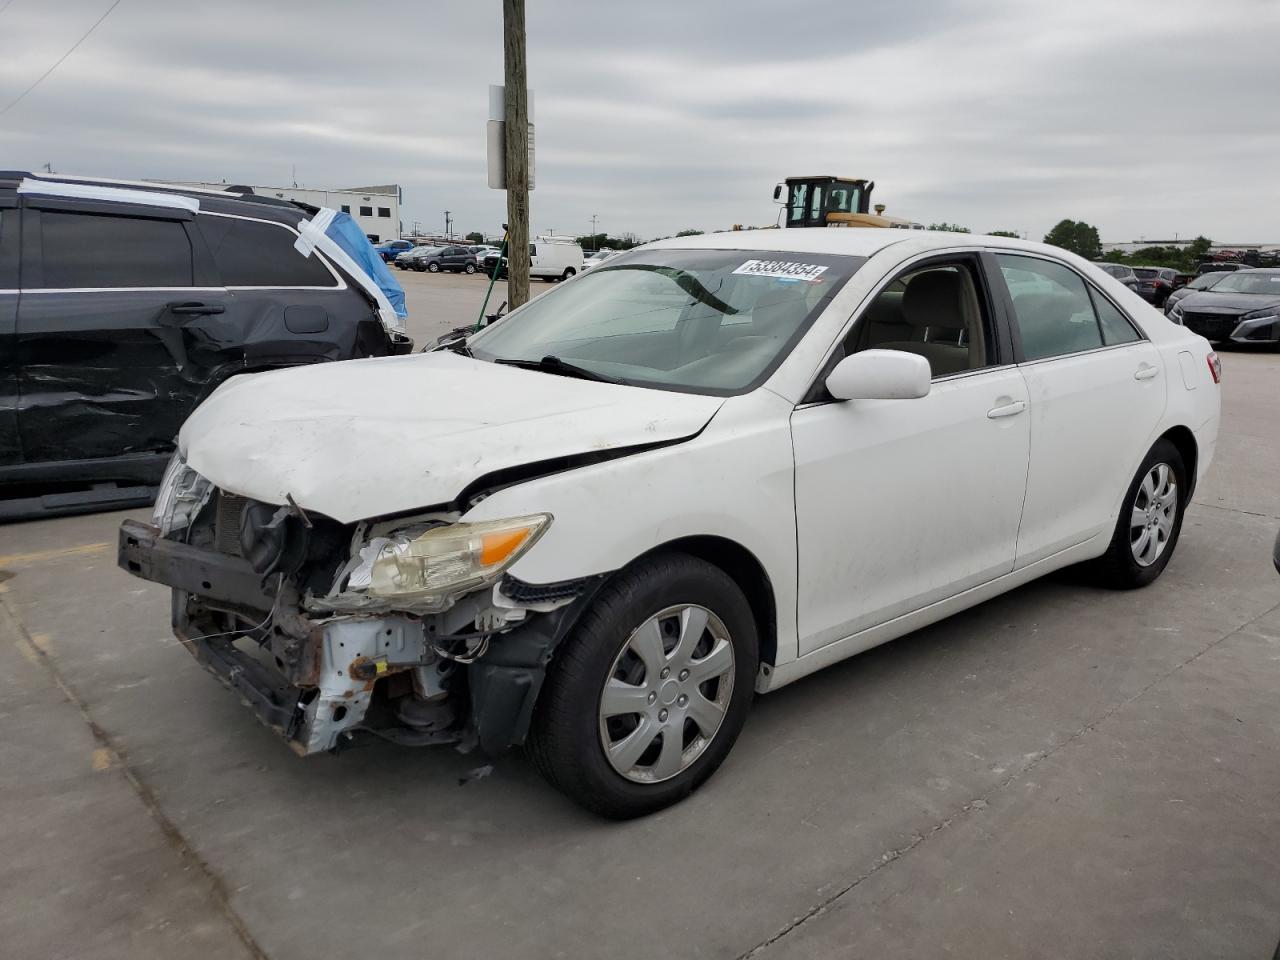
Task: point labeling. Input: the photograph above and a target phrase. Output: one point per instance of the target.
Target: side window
(1052, 307)
(98, 250)
(251, 254)
(1115, 326)
(934, 311)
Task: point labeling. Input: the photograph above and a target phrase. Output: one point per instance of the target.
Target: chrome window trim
(341, 283)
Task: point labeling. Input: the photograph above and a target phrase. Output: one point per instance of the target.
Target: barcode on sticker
(782, 269)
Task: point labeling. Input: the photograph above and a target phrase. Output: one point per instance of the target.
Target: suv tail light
(1215, 367)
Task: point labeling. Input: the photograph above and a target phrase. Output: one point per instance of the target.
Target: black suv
(123, 305)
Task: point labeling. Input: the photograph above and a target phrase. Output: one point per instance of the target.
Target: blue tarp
(347, 234)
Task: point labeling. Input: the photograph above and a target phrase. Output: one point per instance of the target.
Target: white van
(554, 258)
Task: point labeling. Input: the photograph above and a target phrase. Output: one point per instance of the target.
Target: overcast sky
(1144, 118)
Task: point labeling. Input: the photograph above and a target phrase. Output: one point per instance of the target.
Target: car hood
(1207, 301)
(365, 438)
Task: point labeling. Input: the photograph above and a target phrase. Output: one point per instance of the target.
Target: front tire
(433, 267)
(1149, 523)
(648, 693)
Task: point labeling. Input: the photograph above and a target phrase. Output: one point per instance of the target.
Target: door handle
(1007, 410)
(1146, 372)
(191, 308)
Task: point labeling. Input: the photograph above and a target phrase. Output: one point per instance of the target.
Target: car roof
(231, 200)
(852, 241)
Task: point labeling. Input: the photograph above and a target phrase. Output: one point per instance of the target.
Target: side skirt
(897, 627)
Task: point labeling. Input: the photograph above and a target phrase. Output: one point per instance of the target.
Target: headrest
(933, 300)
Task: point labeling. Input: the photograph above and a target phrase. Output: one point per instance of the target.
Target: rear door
(10, 450)
(1097, 393)
(282, 308)
(107, 289)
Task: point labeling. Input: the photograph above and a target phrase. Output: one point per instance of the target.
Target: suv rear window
(97, 250)
(252, 254)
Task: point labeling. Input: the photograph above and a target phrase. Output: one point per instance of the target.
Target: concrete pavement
(1061, 772)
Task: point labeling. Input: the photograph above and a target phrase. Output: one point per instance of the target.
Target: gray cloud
(1146, 118)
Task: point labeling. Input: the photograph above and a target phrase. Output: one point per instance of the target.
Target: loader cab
(810, 201)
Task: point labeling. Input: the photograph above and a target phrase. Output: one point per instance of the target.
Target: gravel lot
(1061, 772)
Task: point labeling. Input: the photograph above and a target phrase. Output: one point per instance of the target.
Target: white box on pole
(496, 140)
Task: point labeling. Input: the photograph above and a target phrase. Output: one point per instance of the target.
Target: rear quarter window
(248, 253)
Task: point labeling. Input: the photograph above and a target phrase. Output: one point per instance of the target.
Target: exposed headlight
(431, 568)
(182, 493)
(1175, 312)
(1268, 313)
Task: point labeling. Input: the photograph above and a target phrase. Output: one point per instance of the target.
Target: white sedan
(700, 471)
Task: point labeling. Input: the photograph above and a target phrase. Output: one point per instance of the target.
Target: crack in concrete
(115, 756)
(1247, 513)
(983, 801)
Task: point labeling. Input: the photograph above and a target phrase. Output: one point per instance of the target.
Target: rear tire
(470, 268)
(612, 698)
(568, 272)
(1150, 521)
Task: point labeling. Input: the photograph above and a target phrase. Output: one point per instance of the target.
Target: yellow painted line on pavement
(10, 560)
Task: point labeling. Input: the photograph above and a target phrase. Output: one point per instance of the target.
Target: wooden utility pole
(517, 153)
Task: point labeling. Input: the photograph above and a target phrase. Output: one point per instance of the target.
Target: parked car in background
(1122, 273)
(1180, 280)
(550, 259)
(452, 259)
(127, 304)
(1154, 283)
(406, 260)
(1220, 266)
(603, 523)
(482, 250)
(1203, 282)
(598, 257)
(390, 249)
(1242, 307)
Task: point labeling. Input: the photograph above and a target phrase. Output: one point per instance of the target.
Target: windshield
(1249, 281)
(705, 321)
(1146, 273)
(1205, 281)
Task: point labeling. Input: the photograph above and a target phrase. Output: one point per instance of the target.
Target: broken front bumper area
(313, 682)
(319, 681)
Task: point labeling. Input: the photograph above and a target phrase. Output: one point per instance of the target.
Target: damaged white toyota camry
(702, 470)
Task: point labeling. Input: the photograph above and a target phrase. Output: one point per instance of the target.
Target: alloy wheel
(666, 694)
(1151, 518)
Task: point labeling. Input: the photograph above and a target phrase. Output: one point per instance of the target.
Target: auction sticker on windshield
(782, 269)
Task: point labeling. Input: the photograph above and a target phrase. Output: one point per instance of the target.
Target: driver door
(902, 503)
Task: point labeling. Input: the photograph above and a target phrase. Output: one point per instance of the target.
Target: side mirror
(880, 375)
(778, 196)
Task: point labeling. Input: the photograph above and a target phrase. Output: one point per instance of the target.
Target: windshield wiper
(552, 364)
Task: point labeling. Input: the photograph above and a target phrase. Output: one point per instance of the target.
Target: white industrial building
(376, 209)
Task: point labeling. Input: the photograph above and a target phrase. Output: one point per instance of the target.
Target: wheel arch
(747, 572)
(1185, 441)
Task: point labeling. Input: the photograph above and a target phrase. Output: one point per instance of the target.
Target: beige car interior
(933, 312)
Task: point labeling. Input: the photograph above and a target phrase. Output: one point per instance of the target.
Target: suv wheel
(470, 268)
(647, 695)
(433, 267)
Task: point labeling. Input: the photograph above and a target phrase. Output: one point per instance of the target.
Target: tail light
(1215, 367)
